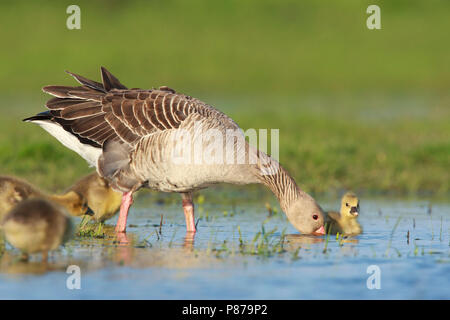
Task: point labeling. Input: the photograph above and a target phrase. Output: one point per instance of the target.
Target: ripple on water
(227, 259)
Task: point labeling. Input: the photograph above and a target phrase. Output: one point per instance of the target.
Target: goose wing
(98, 112)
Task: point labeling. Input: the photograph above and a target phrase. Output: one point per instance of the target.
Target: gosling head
(102, 199)
(306, 215)
(350, 205)
(76, 204)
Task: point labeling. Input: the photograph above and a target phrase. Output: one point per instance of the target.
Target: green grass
(90, 230)
(357, 109)
(264, 244)
(365, 144)
(230, 46)
(354, 146)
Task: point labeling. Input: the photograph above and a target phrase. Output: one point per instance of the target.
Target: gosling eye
(315, 217)
(347, 205)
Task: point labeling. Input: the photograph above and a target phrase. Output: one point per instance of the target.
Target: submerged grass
(90, 230)
(392, 235)
(264, 244)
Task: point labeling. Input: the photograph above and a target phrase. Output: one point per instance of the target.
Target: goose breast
(193, 156)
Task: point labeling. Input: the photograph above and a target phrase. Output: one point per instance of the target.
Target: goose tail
(75, 114)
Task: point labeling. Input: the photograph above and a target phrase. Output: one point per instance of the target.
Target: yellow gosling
(346, 222)
(36, 226)
(100, 197)
(14, 190)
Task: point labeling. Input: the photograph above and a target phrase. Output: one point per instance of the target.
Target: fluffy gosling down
(36, 226)
(14, 190)
(100, 197)
(346, 222)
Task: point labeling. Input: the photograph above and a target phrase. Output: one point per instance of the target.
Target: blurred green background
(359, 109)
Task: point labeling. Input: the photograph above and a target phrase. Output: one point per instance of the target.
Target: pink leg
(127, 201)
(188, 207)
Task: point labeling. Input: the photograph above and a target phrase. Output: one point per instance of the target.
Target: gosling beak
(89, 212)
(319, 232)
(354, 211)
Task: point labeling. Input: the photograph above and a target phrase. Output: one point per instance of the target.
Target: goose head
(306, 215)
(350, 205)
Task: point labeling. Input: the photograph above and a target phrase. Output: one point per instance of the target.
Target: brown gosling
(36, 225)
(346, 222)
(14, 190)
(100, 197)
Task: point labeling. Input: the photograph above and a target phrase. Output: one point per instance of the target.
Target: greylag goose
(36, 225)
(133, 137)
(14, 190)
(100, 197)
(346, 222)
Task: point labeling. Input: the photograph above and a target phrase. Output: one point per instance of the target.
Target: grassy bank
(397, 145)
(232, 47)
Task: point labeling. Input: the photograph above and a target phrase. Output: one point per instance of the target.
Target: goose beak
(319, 232)
(354, 211)
(89, 212)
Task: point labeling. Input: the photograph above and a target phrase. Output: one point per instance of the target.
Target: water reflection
(94, 254)
(189, 240)
(294, 242)
(12, 263)
(224, 243)
(303, 239)
(127, 249)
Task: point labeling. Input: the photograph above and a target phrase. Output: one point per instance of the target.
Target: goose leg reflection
(189, 240)
(122, 238)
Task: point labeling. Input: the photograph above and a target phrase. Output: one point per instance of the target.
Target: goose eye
(315, 217)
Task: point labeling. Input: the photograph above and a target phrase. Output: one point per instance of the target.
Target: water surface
(407, 240)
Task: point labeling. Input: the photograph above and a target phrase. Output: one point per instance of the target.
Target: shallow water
(172, 265)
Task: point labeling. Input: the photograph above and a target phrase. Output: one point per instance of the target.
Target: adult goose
(134, 137)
